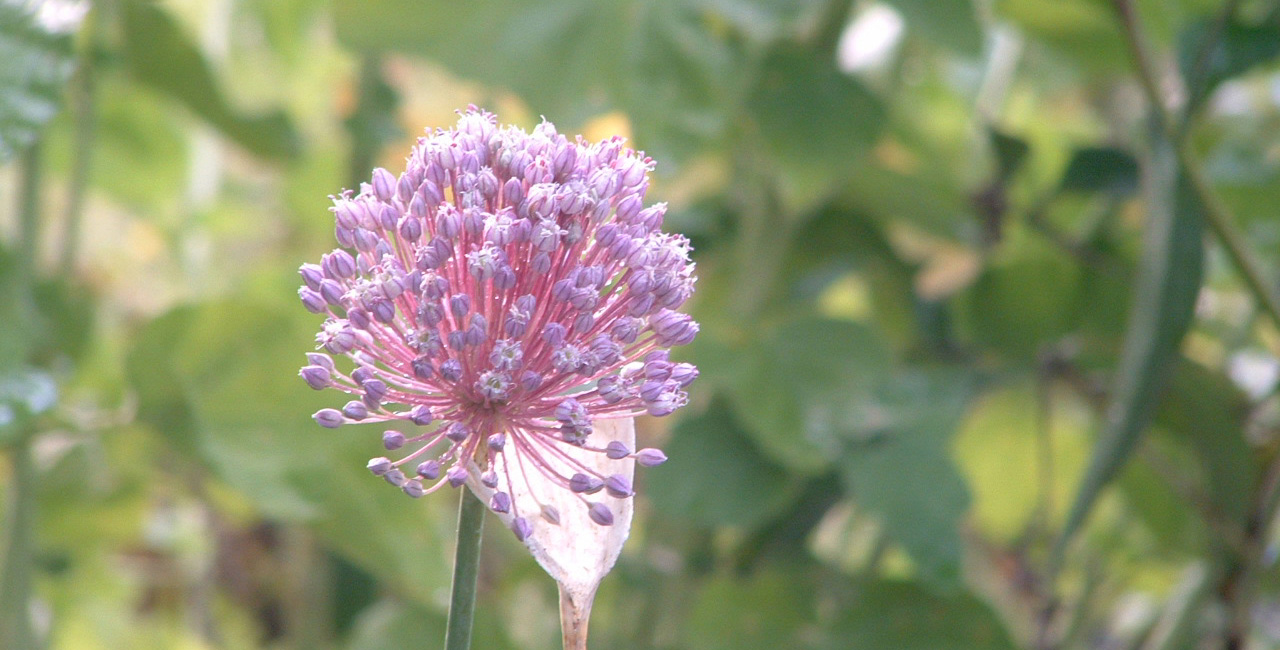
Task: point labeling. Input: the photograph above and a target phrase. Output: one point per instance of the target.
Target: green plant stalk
(19, 543)
(84, 111)
(466, 566)
(1216, 213)
(15, 585)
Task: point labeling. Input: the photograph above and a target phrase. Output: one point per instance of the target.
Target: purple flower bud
(429, 469)
(673, 328)
(328, 418)
(459, 305)
(361, 374)
(684, 374)
(387, 218)
(500, 502)
(497, 441)
(489, 479)
(422, 368)
(346, 214)
(478, 330)
(650, 457)
(411, 228)
(520, 526)
(312, 300)
(553, 334)
(430, 314)
(551, 514)
(359, 318)
(618, 486)
(457, 340)
(344, 236)
(601, 514)
(617, 450)
(383, 184)
(365, 240)
(356, 410)
(413, 488)
(457, 475)
(421, 415)
(392, 440)
(317, 377)
(628, 208)
(504, 277)
(585, 484)
(379, 466)
(457, 431)
(375, 389)
(530, 381)
(384, 311)
(406, 184)
(311, 274)
(394, 477)
(448, 222)
(338, 265)
(541, 264)
(626, 329)
(451, 370)
(320, 359)
(331, 292)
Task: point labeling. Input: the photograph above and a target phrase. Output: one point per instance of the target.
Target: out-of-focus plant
(988, 351)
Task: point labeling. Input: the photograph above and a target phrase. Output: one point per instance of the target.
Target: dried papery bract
(572, 547)
(507, 305)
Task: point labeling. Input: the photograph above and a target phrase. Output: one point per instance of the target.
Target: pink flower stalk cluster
(502, 294)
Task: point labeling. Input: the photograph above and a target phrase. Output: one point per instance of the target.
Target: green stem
(83, 106)
(466, 565)
(1215, 211)
(29, 217)
(15, 584)
(19, 547)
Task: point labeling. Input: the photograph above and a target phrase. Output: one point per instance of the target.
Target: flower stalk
(466, 567)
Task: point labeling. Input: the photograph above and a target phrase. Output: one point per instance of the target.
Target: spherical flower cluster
(507, 291)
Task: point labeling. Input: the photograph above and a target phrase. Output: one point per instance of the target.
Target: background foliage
(988, 337)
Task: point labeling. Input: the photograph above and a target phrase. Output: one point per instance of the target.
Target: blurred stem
(1216, 213)
(84, 114)
(308, 579)
(15, 586)
(19, 543)
(29, 216)
(466, 567)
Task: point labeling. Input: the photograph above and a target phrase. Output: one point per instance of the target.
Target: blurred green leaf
(1084, 31)
(767, 610)
(814, 120)
(802, 387)
(390, 625)
(1169, 277)
(907, 616)
(948, 23)
(67, 310)
(900, 467)
(1020, 305)
(1010, 151)
(223, 376)
(1101, 169)
(1206, 412)
(715, 475)
(160, 55)
(1237, 49)
(35, 63)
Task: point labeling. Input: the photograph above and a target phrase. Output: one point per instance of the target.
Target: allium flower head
(499, 300)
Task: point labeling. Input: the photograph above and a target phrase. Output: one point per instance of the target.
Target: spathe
(577, 552)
